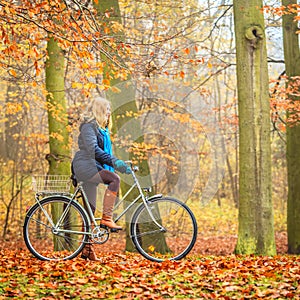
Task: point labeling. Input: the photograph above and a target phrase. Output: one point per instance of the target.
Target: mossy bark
(59, 156)
(256, 230)
(125, 126)
(292, 65)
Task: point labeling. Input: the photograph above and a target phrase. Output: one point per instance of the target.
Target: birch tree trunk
(292, 65)
(255, 231)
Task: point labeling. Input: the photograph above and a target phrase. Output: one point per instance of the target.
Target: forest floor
(210, 271)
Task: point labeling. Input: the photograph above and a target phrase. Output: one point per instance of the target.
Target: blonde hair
(97, 109)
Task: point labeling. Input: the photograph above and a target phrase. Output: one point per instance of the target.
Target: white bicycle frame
(89, 213)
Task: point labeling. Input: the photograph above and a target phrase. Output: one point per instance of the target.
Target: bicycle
(57, 226)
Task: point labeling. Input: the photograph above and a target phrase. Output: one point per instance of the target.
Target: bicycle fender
(67, 198)
(28, 208)
(55, 196)
(157, 196)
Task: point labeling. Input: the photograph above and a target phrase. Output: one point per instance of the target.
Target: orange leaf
(13, 73)
(105, 81)
(187, 51)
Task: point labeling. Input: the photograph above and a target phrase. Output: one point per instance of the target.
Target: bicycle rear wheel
(174, 240)
(66, 240)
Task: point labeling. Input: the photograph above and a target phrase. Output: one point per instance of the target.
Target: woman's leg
(90, 188)
(111, 179)
(105, 177)
(113, 182)
(91, 193)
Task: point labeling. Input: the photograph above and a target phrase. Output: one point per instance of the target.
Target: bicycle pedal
(110, 229)
(103, 226)
(115, 230)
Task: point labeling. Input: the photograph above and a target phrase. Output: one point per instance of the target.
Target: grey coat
(90, 157)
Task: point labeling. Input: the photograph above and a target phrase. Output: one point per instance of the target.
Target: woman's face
(108, 112)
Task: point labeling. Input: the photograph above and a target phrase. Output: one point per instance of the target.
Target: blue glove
(122, 167)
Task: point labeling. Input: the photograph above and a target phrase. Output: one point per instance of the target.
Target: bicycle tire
(40, 236)
(180, 232)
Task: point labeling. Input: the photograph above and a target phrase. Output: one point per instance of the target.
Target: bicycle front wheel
(168, 232)
(48, 236)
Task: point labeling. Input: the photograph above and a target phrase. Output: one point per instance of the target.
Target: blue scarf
(107, 146)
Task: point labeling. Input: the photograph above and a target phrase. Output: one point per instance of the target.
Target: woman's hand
(122, 167)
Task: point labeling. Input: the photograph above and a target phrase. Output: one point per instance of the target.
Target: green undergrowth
(129, 276)
(222, 220)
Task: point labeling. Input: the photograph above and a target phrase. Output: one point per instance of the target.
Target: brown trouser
(105, 177)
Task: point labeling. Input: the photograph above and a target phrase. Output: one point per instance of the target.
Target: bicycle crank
(99, 235)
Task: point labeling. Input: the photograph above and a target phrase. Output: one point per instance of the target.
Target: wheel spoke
(177, 238)
(62, 242)
(148, 233)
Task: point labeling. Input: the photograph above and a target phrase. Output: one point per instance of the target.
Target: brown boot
(88, 252)
(108, 206)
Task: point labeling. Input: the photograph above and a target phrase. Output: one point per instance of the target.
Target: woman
(94, 163)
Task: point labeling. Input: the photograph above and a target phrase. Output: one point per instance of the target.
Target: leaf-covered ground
(210, 271)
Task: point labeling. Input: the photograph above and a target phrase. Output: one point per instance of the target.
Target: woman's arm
(89, 139)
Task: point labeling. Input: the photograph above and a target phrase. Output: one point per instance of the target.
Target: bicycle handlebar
(133, 168)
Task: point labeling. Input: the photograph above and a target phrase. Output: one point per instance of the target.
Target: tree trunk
(256, 230)
(122, 102)
(292, 65)
(59, 157)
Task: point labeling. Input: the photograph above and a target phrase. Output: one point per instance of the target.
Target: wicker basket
(51, 183)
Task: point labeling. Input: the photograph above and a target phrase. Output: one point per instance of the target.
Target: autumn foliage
(189, 44)
(209, 272)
